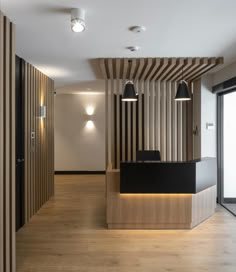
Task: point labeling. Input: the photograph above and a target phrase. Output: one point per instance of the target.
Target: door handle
(20, 160)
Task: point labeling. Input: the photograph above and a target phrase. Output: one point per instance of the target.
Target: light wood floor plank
(69, 234)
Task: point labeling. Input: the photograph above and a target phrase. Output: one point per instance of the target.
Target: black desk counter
(165, 177)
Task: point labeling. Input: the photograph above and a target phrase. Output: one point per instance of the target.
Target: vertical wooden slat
(13, 152)
(1, 144)
(146, 115)
(37, 101)
(123, 127)
(39, 141)
(29, 141)
(129, 131)
(179, 130)
(151, 116)
(174, 122)
(7, 150)
(140, 102)
(52, 128)
(106, 121)
(111, 123)
(118, 88)
(158, 116)
(33, 147)
(49, 138)
(134, 124)
(184, 130)
(7, 145)
(168, 121)
(44, 142)
(46, 138)
(163, 120)
(26, 142)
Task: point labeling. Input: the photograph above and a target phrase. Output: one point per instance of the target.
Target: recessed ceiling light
(78, 20)
(133, 48)
(137, 29)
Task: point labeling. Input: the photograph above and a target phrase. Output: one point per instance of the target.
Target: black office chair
(148, 155)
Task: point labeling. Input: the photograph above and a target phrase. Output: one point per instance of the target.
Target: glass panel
(229, 151)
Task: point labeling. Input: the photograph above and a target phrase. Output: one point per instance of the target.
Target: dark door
(19, 143)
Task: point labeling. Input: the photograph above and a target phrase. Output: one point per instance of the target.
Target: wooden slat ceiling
(153, 69)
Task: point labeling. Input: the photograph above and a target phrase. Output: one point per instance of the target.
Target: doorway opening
(227, 150)
(20, 195)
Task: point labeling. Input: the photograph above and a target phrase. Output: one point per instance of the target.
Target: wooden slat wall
(7, 145)
(39, 150)
(164, 126)
(162, 123)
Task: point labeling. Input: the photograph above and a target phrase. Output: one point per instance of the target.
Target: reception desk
(161, 195)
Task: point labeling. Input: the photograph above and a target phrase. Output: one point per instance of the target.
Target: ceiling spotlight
(133, 48)
(77, 20)
(137, 29)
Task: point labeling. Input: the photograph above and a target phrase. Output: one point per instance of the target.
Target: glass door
(227, 150)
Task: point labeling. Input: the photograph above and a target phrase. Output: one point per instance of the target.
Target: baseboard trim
(80, 172)
(229, 200)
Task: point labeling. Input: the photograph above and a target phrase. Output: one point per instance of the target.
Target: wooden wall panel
(7, 145)
(156, 121)
(39, 140)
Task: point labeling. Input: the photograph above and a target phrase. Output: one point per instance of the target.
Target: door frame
(220, 148)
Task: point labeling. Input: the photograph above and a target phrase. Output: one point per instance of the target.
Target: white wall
(208, 115)
(78, 148)
(204, 111)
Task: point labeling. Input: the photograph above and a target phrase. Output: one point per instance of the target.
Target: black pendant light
(182, 91)
(129, 93)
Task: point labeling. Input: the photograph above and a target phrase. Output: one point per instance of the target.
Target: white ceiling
(183, 28)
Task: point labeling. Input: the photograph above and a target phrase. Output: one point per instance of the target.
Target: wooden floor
(69, 234)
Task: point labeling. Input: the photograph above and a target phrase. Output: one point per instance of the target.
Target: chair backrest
(148, 155)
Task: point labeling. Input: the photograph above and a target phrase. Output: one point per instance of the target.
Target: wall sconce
(42, 113)
(89, 117)
(90, 124)
(90, 110)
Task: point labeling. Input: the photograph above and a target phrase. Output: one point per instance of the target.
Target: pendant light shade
(182, 92)
(129, 93)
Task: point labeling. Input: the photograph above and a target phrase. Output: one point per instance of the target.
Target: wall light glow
(53, 72)
(90, 110)
(90, 124)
